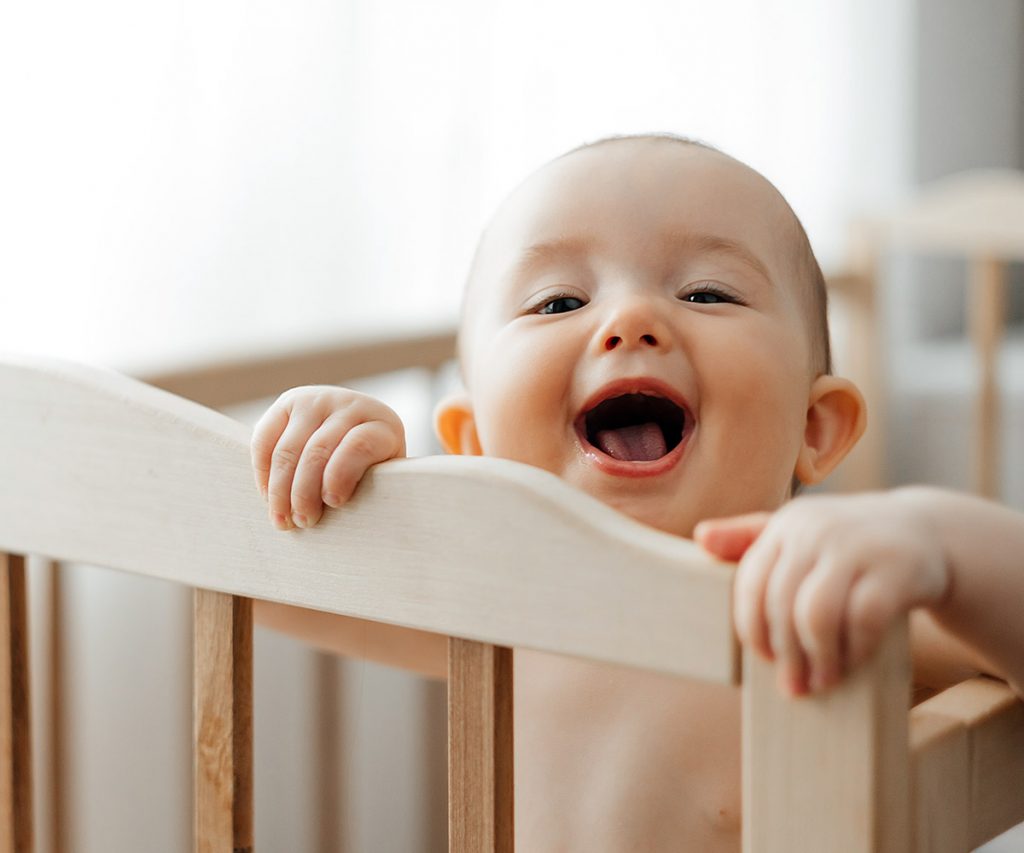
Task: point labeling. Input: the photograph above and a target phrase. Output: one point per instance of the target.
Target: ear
(456, 427)
(836, 418)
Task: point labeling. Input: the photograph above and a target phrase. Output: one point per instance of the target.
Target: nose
(635, 324)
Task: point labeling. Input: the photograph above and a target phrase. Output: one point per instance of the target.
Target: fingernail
(279, 521)
(332, 500)
(300, 520)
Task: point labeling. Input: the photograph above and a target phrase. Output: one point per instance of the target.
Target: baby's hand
(313, 445)
(820, 580)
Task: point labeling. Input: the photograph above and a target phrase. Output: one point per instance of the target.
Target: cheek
(756, 407)
(521, 388)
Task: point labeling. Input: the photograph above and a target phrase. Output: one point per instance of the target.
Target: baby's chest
(611, 759)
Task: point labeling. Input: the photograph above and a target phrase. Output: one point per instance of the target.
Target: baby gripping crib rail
(100, 469)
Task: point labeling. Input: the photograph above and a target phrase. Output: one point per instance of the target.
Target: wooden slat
(940, 784)
(985, 309)
(16, 834)
(480, 776)
(175, 480)
(329, 796)
(433, 714)
(984, 778)
(58, 753)
(223, 723)
(828, 772)
(242, 379)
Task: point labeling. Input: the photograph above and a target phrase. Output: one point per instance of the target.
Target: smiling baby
(645, 319)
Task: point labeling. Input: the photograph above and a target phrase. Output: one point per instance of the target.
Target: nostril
(649, 340)
(612, 342)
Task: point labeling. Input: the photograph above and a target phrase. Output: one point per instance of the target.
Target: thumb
(729, 538)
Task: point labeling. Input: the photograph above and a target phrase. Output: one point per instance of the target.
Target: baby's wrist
(929, 512)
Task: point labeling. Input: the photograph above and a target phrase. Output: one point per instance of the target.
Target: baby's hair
(805, 266)
(807, 269)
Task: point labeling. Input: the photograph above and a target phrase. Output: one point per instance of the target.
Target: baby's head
(645, 319)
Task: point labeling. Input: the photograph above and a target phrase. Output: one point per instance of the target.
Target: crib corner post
(830, 771)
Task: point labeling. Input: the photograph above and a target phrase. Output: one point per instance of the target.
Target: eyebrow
(548, 251)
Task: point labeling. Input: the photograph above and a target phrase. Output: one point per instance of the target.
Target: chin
(658, 514)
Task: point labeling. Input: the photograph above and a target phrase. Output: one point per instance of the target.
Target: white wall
(183, 177)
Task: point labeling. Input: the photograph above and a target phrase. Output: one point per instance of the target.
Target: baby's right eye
(561, 304)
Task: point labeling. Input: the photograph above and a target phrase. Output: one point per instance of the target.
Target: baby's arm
(820, 580)
(311, 449)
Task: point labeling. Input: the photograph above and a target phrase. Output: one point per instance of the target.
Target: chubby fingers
(783, 581)
(313, 445)
(332, 461)
(729, 538)
(788, 603)
(790, 606)
(265, 436)
(825, 578)
(749, 590)
(819, 619)
(364, 445)
(284, 463)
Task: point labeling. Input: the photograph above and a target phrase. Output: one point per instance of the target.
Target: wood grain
(480, 773)
(16, 835)
(982, 780)
(223, 786)
(940, 784)
(986, 296)
(830, 771)
(174, 480)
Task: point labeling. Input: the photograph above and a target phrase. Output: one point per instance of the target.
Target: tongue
(639, 443)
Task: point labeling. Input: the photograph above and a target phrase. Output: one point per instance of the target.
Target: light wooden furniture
(977, 216)
(100, 469)
(238, 379)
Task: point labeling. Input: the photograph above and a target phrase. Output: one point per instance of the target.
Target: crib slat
(941, 784)
(969, 740)
(830, 771)
(480, 776)
(15, 734)
(223, 723)
(986, 307)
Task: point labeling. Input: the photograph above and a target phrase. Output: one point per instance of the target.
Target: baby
(645, 318)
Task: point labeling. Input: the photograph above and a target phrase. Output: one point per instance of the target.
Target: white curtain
(180, 179)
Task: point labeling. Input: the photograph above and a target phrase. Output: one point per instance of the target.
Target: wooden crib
(101, 469)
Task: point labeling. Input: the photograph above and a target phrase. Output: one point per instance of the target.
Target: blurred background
(186, 183)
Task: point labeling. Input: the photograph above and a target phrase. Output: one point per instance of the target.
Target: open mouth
(634, 427)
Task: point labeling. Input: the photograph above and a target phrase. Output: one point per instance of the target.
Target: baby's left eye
(560, 305)
(705, 295)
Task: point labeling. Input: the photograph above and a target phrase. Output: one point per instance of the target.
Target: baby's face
(635, 327)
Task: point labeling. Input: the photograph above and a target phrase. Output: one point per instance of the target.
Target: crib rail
(88, 452)
(92, 452)
(968, 765)
(229, 381)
